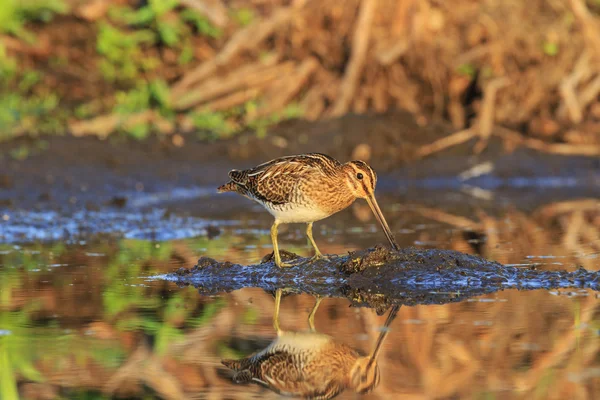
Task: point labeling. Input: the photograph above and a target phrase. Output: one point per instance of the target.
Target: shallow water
(85, 317)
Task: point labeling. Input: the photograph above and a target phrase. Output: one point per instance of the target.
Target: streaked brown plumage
(309, 364)
(307, 188)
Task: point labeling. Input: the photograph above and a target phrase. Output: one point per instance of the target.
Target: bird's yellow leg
(318, 254)
(276, 313)
(311, 316)
(276, 247)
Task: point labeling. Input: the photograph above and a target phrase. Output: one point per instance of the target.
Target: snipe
(307, 188)
(310, 364)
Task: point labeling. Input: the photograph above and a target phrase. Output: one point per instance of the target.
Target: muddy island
(379, 277)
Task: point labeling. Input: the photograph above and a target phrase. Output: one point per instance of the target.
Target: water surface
(84, 317)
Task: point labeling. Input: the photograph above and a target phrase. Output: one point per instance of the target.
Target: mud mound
(378, 277)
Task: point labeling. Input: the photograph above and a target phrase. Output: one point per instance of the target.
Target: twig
(280, 94)
(104, 125)
(590, 27)
(215, 12)
(563, 207)
(447, 141)
(447, 218)
(232, 100)
(555, 148)
(380, 94)
(243, 39)
(243, 78)
(570, 104)
(390, 55)
(485, 122)
(590, 92)
(41, 49)
(357, 60)
(313, 103)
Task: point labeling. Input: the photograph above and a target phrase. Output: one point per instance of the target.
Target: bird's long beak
(386, 229)
(384, 333)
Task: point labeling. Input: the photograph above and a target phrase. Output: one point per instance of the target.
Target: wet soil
(379, 277)
(75, 173)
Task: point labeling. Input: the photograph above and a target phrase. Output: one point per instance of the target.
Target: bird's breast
(297, 212)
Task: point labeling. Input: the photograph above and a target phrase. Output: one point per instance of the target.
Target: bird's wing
(288, 374)
(275, 181)
(284, 373)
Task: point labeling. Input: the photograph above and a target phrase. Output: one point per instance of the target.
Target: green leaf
(8, 381)
(160, 93)
(201, 23)
(550, 49)
(169, 33)
(244, 16)
(161, 7)
(466, 69)
(186, 55)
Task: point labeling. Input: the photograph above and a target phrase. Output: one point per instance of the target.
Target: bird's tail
(228, 187)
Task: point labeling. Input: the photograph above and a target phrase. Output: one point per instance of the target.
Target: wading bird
(310, 364)
(307, 188)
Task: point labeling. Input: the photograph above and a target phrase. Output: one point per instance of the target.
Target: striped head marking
(360, 178)
(361, 181)
(364, 376)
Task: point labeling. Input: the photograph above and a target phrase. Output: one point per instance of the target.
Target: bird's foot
(317, 257)
(285, 264)
(289, 259)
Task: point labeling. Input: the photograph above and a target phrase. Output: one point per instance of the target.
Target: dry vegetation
(569, 231)
(531, 67)
(527, 71)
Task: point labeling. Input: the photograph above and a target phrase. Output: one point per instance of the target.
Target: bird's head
(364, 375)
(361, 180)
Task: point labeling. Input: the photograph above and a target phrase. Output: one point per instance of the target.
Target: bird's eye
(359, 175)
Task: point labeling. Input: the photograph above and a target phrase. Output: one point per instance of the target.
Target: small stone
(178, 140)
(543, 127)
(6, 182)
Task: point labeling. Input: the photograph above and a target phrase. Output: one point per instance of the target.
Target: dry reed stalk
(573, 226)
(380, 94)
(562, 207)
(313, 103)
(361, 101)
(389, 55)
(357, 59)
(462, 375)
(249, 76)
(448, 141)
(413, 49)
(591, 234)
(490, 228)
(581, 72)
(591, 27)
(557, 148)
(561, 348)
(572, 240)
(590, 93)
(214, 10)
(539, 237)
(103, 125)
(284, 90)
(402, 89)
(244, 39)
(456, 110)
(231, 100)
(485, 121)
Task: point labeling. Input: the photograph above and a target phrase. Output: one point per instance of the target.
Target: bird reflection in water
(310, 364)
